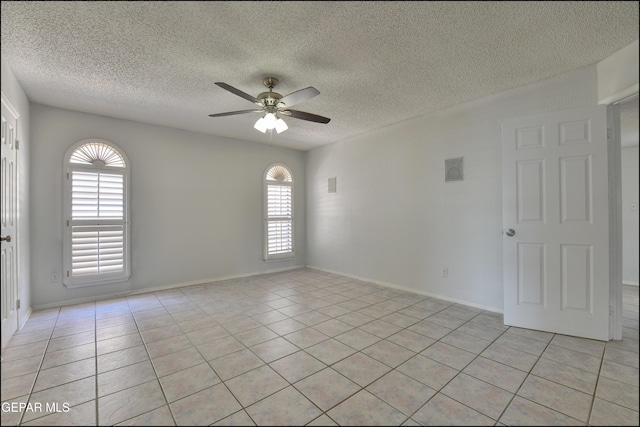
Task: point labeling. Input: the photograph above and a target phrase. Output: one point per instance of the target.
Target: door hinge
(18, 304)
(17, 144)
(67, 175)
(67, 223)
(608, 133)
(67, 273)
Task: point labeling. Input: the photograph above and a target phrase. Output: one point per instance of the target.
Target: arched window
(278, 209)
(96, 238)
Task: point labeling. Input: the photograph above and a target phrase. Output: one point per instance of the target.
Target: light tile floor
(309, 348)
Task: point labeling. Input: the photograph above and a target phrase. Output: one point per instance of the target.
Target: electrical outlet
(55, 277)
(445, 272)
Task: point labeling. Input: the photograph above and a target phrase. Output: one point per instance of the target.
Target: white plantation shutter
(279, 213)
(96, 249)
(96, 244)
(97, 195)
(279, 220)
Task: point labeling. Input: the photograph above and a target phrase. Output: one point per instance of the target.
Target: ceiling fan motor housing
(270, 98)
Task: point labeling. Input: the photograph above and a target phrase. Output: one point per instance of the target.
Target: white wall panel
(531, 137)
(532, 274)
(531, 198)
(577, 277)
(576, 198)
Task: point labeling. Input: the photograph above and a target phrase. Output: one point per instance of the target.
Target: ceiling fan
(274, 105)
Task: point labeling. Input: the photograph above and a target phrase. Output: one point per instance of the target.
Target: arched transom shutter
(278, 213)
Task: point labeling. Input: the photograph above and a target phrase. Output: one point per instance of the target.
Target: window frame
(69, 280)
(266, 183)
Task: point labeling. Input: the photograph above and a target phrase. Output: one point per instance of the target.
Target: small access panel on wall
(453, 169)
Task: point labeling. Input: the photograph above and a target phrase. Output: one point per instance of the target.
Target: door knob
(511, 232)
(5, 239)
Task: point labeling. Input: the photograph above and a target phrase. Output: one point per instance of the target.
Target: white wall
(618, 75)
(196, 203)
(15, 94)
(394, 220)
(630, 230)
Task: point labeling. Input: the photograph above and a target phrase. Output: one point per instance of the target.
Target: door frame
(615, 222)
(615, 211)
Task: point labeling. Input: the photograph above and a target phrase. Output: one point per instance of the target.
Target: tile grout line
(39, 369)
(595, 387)
(153, 366)
(459, 372)
(529, 372)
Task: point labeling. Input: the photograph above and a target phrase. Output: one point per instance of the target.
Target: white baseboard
(26, 317)
(240, 276)
(406, 289)
(159, 288)
(630, 283)
(23, 321)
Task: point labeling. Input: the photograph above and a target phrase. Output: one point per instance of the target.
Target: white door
(8, 223)
(556, 222)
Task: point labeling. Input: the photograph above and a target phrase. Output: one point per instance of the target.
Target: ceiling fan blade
(232, 113)
(306, 116)
(299, 96)
(238, 92)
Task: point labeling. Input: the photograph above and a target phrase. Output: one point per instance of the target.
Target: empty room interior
(319, 213)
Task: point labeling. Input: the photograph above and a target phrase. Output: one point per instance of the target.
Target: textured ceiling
(374, 63)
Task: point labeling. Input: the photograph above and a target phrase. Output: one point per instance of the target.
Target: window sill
(283, 258)
(109, 281)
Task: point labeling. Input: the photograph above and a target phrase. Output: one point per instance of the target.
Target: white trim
(407, 289)
(160, 288)
(622, 95)
(10, 107)
(274, 258)
(614, 165)
(630, 283)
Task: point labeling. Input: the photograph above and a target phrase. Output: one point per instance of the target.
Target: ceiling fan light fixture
(270, 120)
(281, 126)
(261, 125)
